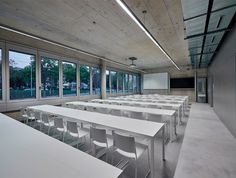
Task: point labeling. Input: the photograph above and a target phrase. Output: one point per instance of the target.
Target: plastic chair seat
(140, 148)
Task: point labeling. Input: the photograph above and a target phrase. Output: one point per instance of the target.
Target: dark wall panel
(222, 82)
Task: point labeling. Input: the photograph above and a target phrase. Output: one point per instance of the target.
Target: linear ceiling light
(140, 24)
(64, 46)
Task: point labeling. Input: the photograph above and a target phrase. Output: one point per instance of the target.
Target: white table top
(141, 127)
(151, 100)
(163, 112)
(143, 103)
(28, 153)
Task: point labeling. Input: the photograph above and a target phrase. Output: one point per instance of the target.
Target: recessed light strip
(124, 6)
(64, 46)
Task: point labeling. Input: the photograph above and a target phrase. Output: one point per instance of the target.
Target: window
(0, 74)
(96, 81)
(113, 82)
(130, 83)
(126, 78)
(22, 75)
(84, 80)
(49, 77)
(135, 83)
(69, 79)
(108, 81)
(120, 82)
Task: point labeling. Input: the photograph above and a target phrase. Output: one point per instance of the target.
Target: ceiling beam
(204, 46)
(207, 33)
(210, 4)
(223, 8)
(202, 53)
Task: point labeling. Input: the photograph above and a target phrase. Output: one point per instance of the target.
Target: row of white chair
(117, 143)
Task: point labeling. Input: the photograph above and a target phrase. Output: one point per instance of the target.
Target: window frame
(58, 58)
(19, 49)
(3, 66)
(61, 79)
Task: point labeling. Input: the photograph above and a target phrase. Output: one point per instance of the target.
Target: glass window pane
(113, 82)
(138, 84)
(69, 79)
(96, 81)
(22, 75)
(84, 80)
(126, 78)
(120, 82)
(49, 77)
(108, 81)
(135, 83)
(0, 74)
(130, 83)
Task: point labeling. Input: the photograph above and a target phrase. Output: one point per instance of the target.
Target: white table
(28, 153)
(183, 103)
(171, 114)
(177, 107)
(133, 126)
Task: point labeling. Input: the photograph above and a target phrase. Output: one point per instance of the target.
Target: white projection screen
(156, 81)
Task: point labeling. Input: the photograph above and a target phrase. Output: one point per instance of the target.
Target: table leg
(151, 153)
(163, 143)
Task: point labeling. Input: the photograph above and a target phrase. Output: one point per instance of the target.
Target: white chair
(79, 106)
(90, 108)
(24, 116)
(59, 125)
(102, 110)
(129, 149)
(30, 118)
(168, 107)
(153, 106)
(46, 122)
(74, 132)
(159, 118)
(116, 112)
(98, 138)
(136, 115)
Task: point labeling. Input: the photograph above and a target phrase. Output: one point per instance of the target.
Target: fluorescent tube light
(124, 6)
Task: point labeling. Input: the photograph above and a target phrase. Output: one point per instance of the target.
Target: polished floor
(208, 149)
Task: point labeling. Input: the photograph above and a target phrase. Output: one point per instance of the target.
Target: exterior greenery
(84, 80)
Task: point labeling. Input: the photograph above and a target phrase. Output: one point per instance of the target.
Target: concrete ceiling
(103, 28)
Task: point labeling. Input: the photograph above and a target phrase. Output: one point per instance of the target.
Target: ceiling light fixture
(124, 6)
(132, 65)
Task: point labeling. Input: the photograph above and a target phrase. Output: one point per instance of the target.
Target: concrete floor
(162, 169)
(208, 149)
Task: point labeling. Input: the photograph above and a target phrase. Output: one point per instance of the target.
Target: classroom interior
(118, 89)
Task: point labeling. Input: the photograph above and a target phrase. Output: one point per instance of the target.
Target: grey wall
(221, 82)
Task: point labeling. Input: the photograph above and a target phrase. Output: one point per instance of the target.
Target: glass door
(201, 90)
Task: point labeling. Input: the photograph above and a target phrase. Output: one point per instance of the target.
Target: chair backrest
(167, 107)
(37, 115)
(58, 122)
(23, 111)
(154, 117)
(80, 107)
(90, 108)
(153, 106)
(105, 102)
(98, 135)
(45, 118)
(136, 115)
(116, 112)
(124, 143)
(28, 112)
(72, 127)
(125, 104)
(103, 110)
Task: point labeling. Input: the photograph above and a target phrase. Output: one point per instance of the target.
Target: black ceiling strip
(207, 33)
(219, 21)
(232, 23)
(223, 8)
(204, 46)
(197, 54)
(210, 4)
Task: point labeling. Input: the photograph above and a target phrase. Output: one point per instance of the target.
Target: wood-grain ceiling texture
(103, 28)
